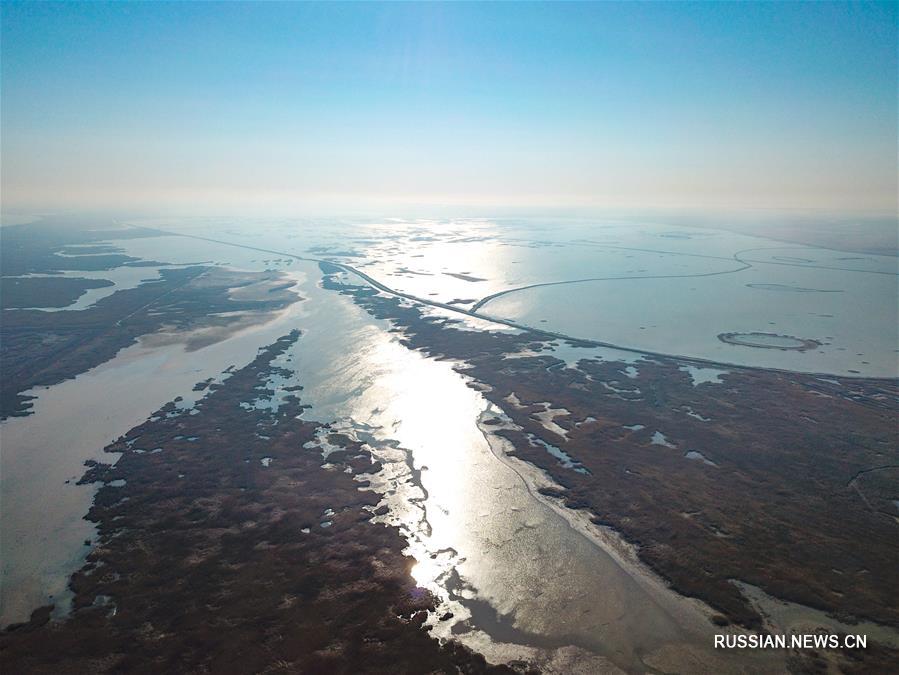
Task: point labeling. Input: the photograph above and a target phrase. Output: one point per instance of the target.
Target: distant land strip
(512, 324)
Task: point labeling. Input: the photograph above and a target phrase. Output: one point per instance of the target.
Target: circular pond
(768, 341)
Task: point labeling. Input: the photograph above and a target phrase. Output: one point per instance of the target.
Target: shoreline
(520, 326)
(88, 444)
(483, 356)
(238, 552)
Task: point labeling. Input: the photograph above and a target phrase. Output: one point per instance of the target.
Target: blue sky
(205, 105)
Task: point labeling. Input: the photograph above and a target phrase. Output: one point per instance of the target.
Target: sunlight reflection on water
(521, 576)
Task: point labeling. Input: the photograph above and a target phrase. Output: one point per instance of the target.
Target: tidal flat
(720, 506)
(210, 559)
(502, 459)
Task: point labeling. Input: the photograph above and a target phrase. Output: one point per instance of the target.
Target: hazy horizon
(317, 107)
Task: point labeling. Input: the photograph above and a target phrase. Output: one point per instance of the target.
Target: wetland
(300, 417)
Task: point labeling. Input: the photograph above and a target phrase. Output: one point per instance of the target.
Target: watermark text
(793, 641)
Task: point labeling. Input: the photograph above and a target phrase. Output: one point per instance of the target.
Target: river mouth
(517, 575)
(522, 576)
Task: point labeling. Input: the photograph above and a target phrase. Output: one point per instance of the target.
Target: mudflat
(225, 546)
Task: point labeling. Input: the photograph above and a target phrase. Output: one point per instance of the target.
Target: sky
(259, 106)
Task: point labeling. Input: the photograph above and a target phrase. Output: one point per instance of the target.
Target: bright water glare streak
(522, 577)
